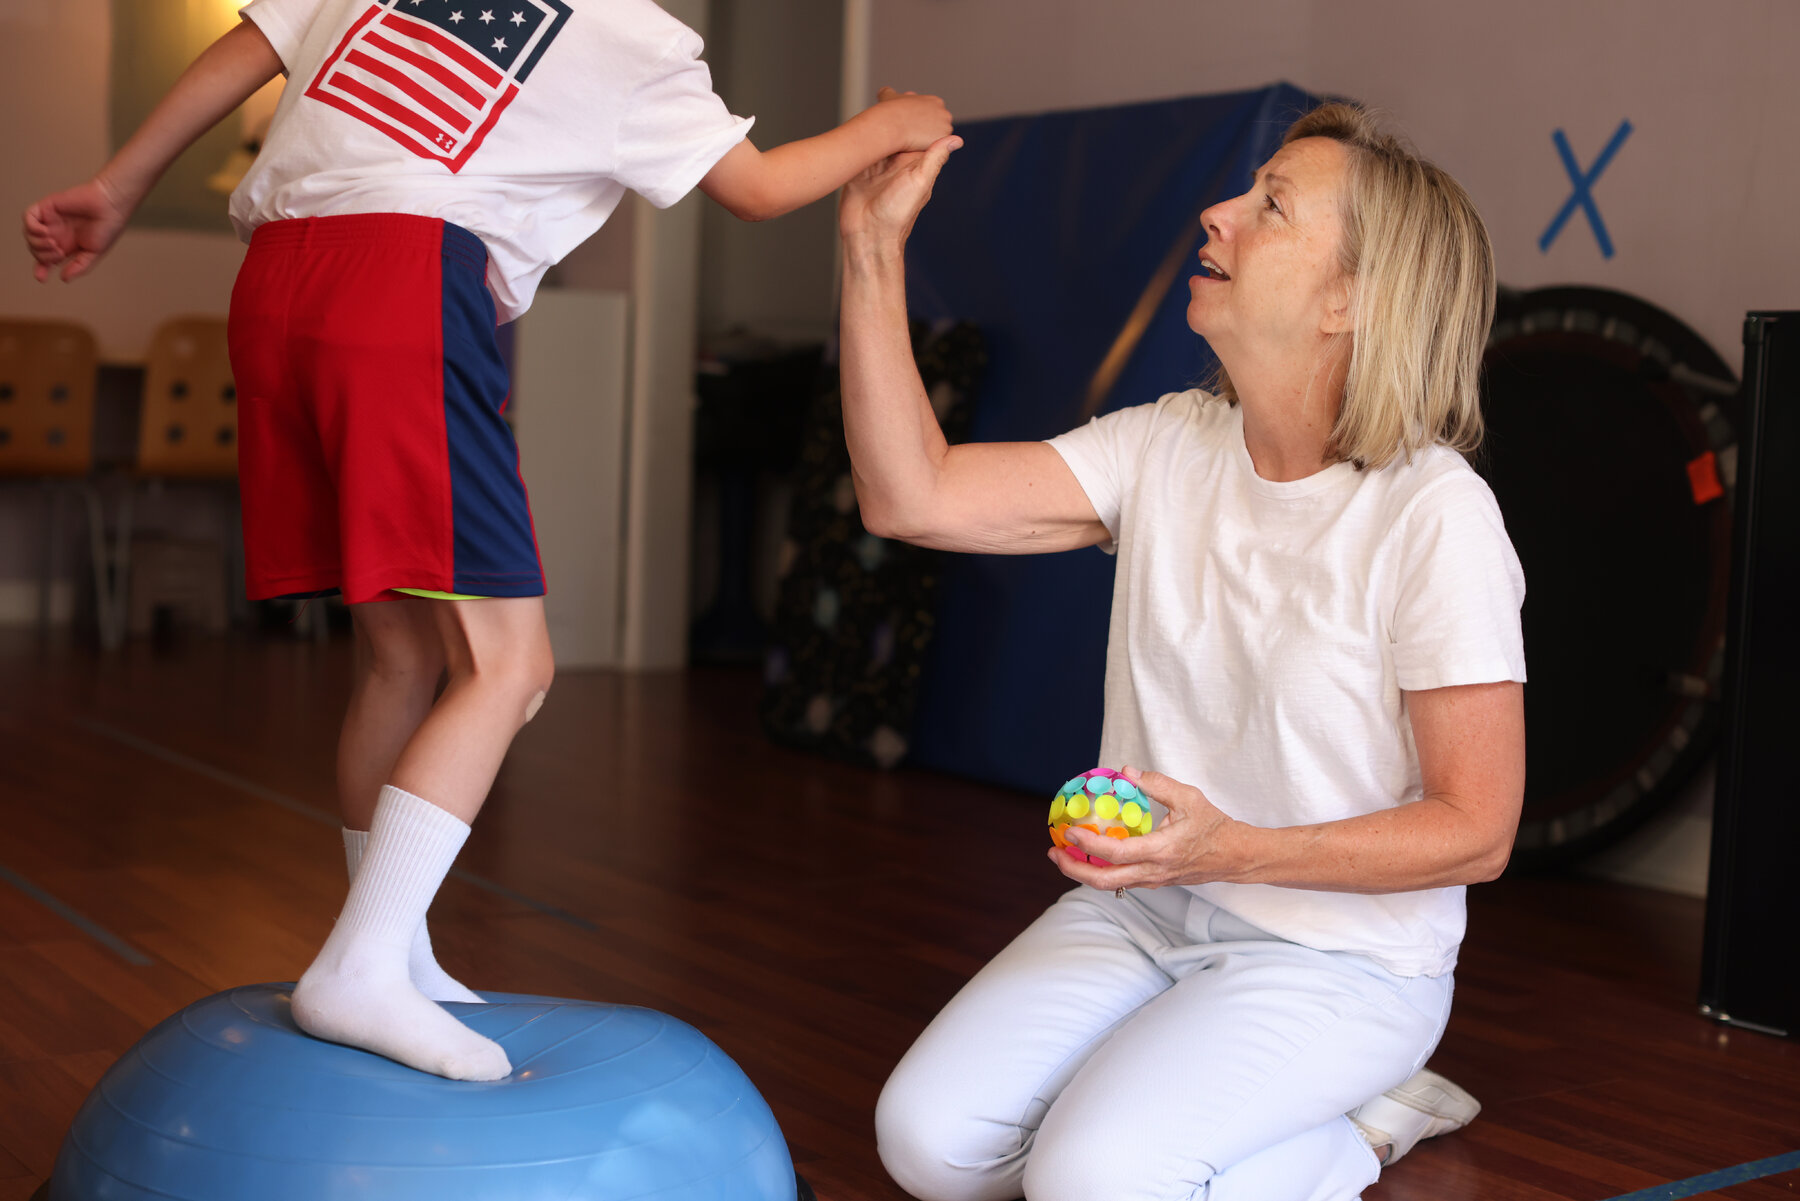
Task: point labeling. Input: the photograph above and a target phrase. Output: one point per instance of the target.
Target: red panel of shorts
(350, 451)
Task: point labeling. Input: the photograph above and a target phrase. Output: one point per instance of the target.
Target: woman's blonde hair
(1422, 297)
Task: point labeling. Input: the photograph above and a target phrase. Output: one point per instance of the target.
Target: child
(428, 161)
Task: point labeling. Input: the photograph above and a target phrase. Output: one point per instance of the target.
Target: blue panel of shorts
(496, 548)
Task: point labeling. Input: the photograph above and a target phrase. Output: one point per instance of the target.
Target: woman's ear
(1340, 306)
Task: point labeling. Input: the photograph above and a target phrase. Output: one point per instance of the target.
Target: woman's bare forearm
(225, 75)
(1006, 498)
(1471, 746)
(897, 448)
(1430, 843)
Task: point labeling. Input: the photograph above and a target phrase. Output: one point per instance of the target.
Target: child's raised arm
(756, 185)
(73, 228)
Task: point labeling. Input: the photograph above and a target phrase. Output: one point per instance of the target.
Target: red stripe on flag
(458, 53)
(355, 29)
(399, 79)
(430, 66)
(393, 108)
(481, 132)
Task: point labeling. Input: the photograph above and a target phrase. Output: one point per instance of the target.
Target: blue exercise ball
(228, 1101)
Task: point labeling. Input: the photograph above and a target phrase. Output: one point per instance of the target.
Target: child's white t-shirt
(1263, 634)
(524, 121)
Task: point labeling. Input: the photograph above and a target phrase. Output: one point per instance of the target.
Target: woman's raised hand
(1195, 844)
(880, 205)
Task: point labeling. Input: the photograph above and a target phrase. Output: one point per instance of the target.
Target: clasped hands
(1195, 844)
(879, 206)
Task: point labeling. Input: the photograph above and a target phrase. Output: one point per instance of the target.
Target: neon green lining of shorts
(428, 595)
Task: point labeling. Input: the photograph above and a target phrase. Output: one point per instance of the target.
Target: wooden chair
(47, 374)
(187, 432)
(47, 371)
(188, 429)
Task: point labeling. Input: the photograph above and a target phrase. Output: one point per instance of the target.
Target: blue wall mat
(1047, 232)
(228, 1100)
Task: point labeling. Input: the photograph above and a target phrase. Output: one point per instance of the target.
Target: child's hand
(918, 121)
(73, 228)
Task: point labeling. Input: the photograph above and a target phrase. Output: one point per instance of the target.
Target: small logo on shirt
(435, 75)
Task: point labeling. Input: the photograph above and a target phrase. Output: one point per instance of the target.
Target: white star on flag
(499, 43)
(518, 18)
(487, 15)
(457, 16)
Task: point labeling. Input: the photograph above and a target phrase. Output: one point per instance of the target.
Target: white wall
(775, 60)
(1699, 202)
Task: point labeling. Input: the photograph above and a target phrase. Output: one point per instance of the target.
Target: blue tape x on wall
(1068, 238)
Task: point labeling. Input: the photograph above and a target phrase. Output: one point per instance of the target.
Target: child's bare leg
(399, 662)
(498, 653)
(357, 991)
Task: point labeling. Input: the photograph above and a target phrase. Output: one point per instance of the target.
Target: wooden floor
(646, 845)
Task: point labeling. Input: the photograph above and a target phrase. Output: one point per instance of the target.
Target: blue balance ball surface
(228, 1101)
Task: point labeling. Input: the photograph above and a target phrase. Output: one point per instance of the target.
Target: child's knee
(540, 673)
(516, 676)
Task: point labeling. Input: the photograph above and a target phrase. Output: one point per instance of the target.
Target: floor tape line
(76, 918)
(1723, 1178)
(300, 808)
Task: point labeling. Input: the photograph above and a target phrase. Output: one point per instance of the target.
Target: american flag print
(435, 75)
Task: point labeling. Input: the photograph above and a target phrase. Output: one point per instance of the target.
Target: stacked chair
(187, 436)
(47, 375)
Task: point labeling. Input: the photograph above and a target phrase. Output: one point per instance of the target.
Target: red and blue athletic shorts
(372, 453)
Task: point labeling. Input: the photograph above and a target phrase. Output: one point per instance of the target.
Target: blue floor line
(302, 809)
(80, 921)
(1723, 1178)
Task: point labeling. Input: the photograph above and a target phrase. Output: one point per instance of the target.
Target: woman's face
(1269, 279)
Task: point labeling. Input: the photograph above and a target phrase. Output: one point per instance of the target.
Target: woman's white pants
(1154, 1048)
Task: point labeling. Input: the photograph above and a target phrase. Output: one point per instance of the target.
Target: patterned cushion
(855, 612)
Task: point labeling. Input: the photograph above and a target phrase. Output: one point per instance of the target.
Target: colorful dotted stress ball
(1102, 801)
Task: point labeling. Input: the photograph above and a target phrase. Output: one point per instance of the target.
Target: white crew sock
(421, 963)
(358, 990)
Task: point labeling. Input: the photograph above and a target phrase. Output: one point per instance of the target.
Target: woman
(1314, 667)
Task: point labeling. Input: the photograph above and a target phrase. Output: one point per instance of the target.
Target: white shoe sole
(1426, 1106)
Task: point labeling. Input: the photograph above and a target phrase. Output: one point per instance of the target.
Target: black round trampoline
(1611, 451)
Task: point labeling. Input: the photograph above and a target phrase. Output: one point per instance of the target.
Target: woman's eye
(1270, 201)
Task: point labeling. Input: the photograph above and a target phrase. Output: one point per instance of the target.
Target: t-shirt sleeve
(675, 127)
(1460, 589)
(284, 23)
(1104, 455)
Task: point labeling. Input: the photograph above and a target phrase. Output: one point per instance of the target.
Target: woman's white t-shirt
(1263, 636)
(523, 121)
